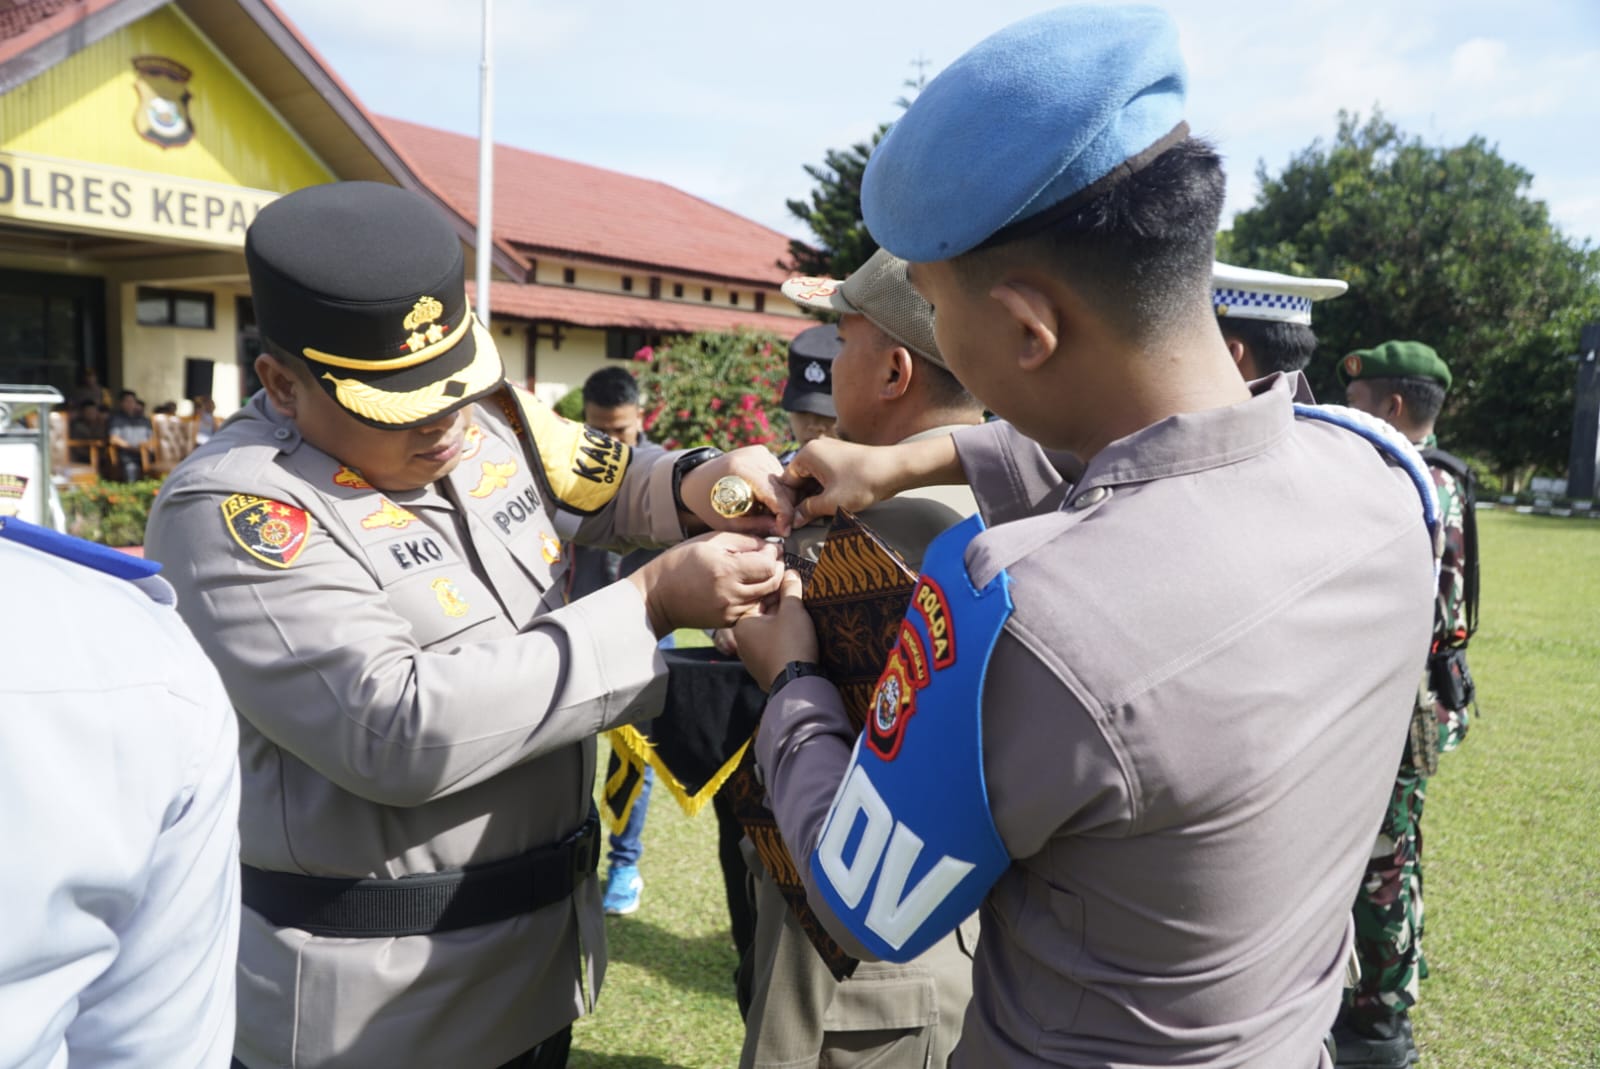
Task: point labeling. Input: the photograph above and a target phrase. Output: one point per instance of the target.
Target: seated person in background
(88, 424)
(205, 419)
(129, 429)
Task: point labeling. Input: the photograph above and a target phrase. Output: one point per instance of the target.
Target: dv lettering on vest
(888, 850)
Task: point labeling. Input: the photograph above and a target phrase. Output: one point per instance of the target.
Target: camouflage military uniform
(1388, 909)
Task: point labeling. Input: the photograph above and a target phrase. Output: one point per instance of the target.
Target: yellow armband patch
(582, 468)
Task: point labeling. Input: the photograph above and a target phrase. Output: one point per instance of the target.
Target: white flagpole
(485, 167)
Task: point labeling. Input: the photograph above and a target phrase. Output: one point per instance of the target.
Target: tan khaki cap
(878, 290)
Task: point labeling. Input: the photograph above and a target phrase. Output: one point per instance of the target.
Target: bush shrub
(715, 389)
(113, 514)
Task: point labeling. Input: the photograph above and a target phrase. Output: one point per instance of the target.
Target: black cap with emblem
(810, 387)
(366, 283)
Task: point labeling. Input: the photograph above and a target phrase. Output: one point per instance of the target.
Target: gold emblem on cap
(1352, 365)
(732, 496)
(423, 313)
(811, 287)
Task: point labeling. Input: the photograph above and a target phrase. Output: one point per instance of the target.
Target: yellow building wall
(583, 351)
(512, 347)
(153, 357)
(87, 108)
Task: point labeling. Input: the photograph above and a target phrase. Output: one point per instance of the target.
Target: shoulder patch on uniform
(935, 612)
(270, 531)
(549, 547)
(582, 467)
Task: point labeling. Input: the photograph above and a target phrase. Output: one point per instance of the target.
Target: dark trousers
(551, 1054)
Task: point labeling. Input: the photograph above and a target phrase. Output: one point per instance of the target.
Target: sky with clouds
(728, 99)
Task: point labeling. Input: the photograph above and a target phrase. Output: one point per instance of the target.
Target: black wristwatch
(684, 465)
(791, 672)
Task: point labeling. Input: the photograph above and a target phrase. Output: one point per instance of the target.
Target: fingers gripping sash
(1393, 445)
(910, 849)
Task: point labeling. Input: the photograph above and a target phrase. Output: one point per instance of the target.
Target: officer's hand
(781, 632)
(758, 467)
(828, 475)
(709, 581)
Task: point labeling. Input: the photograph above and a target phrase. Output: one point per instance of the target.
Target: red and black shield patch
(270, 531)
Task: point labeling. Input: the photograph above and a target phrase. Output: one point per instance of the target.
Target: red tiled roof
(547, 204)
(585, 308)
(28, 23)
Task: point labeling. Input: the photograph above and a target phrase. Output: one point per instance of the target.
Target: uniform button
(1091, 497)
(282, 434)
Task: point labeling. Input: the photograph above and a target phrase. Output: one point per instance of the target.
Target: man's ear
(282, 385)
(1235, 350)
(1037, 321)
(1394, 409)
(896, 370)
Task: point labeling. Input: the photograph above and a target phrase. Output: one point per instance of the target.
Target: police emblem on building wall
(162, 116)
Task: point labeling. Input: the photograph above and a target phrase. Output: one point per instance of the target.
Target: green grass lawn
(1512, 854)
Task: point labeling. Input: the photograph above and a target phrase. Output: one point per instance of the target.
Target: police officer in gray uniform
(892, 386)
(1111, 717)
(370, 552)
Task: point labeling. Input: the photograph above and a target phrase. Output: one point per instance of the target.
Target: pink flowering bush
(715, 389)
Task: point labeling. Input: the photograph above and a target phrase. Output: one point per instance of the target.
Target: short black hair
(1274, 346)
(611, 387)
(1141, 251)
(1424, 398)
(127, 393)
(944, 389)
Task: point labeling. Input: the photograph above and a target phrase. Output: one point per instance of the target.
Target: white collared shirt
(119, 849)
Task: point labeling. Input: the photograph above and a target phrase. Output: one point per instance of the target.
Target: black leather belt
(426, 903)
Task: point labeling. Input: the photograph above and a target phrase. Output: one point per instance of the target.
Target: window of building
(655, 287)
(761, 302)
(733, 297)
(52, 329)
(627, 283)
(568, 275)
(705, 294)
(677, 289)
(622, 344)
(175, 308)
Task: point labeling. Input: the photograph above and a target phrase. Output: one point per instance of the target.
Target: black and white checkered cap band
(1256, 304)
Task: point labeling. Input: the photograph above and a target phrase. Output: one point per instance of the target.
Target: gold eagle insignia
(495, 477)
(388, 515)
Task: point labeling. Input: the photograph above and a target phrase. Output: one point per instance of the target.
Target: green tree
(833, 212)
(1444, 245)
(714, 389)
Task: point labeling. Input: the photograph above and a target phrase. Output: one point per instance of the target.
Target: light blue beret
(1024, 120)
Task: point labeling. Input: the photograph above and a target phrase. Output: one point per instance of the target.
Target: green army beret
(1395, 360)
